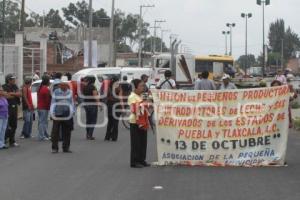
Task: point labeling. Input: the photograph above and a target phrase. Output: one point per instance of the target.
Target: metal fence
(8, 61)
(32, 61)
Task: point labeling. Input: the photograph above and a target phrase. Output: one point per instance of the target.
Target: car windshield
(35, 87)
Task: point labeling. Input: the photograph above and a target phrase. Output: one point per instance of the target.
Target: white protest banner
(222, 128)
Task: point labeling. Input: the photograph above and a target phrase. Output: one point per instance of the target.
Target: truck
(182, 66)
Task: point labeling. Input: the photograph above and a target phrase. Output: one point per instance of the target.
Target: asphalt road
(98, 170)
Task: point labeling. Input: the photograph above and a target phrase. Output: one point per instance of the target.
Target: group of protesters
(47, 101)
(204, 83)
(58, 103)
(59, 100)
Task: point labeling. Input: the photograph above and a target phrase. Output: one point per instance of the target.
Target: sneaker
(22, 137)
(145, 164)
(15, 145)
(67, 151)
(90, 138)
(136, 166)
(54, 151)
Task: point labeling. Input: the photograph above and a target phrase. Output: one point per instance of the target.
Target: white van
(120, 72)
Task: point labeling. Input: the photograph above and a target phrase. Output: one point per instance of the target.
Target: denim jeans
(91, 112)
(3, 125)
(43, 124)
(27, 127)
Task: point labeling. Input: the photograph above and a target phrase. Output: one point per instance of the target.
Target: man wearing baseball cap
(13, 91)
(227, 85)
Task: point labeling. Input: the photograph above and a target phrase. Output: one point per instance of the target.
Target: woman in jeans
(3, 117)
(138, 132)
(27, 109)
(44, 102)
(91, 100)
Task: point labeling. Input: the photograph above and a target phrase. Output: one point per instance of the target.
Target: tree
(54, 20)
(250, 59)
(148, 44)
(274, 59)
(12, 13)
(291, 43)
(126, 27)
(78, 14)
(123, 48)
(278, 35)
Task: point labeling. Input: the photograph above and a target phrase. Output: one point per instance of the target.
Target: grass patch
(297, 123)
(295, 105)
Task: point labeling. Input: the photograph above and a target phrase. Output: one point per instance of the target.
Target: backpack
(165, 81)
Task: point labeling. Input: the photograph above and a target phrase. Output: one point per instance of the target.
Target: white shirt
(230, 86)
(281, 78)
(166, 84)
(36, 77)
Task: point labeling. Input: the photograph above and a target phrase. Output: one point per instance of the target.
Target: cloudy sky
(199, 23)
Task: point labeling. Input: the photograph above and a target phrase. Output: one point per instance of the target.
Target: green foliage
(12, 14)
(78, 13)
(243, 60)
(278, 34)
(149, 44)
(295, 105)
(126, 25)
(274, 59)
(54, 20)
(296, 123)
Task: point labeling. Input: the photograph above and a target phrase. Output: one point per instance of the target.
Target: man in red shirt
(43, 106)
(27, 109)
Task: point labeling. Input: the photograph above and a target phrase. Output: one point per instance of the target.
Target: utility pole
(112, 28)
(22, 15)
(263, 3)
(282, 46)
(140, 31)
(90, 32)
(162, 38)
(226, 33)
(172, 36)
(3, 35)
(246, 16)
(230, 25)
(43, 20)
(155, 37)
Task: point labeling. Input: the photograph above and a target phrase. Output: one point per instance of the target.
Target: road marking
(158, 187)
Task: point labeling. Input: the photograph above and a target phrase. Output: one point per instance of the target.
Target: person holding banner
(138, 126)
(227, 85)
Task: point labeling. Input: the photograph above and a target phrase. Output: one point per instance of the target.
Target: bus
(216, 65)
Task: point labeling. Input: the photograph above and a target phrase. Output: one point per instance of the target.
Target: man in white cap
(227, 85)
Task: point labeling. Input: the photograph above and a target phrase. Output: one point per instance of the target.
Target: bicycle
(151, 119)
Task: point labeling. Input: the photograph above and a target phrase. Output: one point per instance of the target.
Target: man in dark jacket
(13, 91)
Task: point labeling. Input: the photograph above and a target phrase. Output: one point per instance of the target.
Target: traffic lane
(32, 172)
(100, 170)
